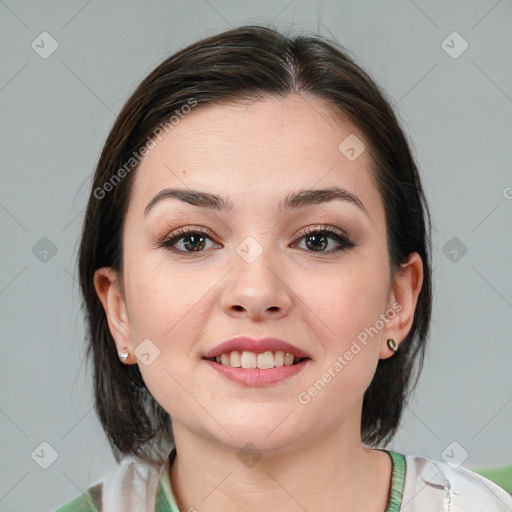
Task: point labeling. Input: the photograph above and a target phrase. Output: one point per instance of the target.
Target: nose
(257, 290)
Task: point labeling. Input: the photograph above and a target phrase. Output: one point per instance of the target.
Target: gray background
(56, 114)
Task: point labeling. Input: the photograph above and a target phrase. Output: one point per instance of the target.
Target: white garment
(432, 486)
(131, 487)
(429, 486)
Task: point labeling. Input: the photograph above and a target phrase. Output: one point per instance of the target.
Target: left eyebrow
(312, 196)
(298, 199)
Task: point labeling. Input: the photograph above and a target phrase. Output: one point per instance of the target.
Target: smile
(251, 369)
(263, 361)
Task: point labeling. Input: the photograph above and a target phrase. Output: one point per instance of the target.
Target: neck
(333, 472)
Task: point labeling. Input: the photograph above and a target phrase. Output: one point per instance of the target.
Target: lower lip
(256, 377)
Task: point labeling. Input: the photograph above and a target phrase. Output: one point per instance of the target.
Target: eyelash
(342, 238)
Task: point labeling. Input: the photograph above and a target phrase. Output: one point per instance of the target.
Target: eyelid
(165, 236)
(324, 227)
(342, 237)
(184, 230)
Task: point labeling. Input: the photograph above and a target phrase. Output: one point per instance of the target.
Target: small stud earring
(392, 345)
(123, 356)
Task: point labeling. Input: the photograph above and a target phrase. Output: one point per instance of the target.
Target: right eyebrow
(193, 197)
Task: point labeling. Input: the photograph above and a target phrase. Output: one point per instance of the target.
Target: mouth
(246, 352)
(252, 360)
(257, 370)
(257, 362)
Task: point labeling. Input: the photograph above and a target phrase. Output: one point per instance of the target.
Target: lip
(254, 377)
(241, 343)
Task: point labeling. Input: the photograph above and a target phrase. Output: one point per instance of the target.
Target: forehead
(265, 149)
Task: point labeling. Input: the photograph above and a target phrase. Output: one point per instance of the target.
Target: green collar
(165, 501)
(397, 481)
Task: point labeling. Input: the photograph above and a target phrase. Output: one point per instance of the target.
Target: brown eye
(187, 241)
(318, 240)
(193, 242)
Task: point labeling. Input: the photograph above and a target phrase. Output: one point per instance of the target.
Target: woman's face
(256, 272)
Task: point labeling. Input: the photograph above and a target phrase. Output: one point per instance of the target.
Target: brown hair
(246, 64)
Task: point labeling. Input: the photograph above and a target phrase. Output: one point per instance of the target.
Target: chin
(272, 434)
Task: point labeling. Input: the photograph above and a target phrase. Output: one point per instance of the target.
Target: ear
(107, 284)
(402, 300)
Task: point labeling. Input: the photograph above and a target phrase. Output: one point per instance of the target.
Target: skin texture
(187, 303)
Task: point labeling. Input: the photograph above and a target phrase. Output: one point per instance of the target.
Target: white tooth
(234, 359)
(224, 359)
(265, 360)
(279, 358)
(217, 359)
(288, 359)
(248, 359)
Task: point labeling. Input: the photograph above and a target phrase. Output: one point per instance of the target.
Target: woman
(255, 264)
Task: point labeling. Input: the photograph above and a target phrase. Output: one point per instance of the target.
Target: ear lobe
(107, 285)
(403, 299)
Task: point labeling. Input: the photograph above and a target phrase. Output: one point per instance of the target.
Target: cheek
(356, 305)
(347, 302)
(166, 316)
(164, 303)
(168, 308)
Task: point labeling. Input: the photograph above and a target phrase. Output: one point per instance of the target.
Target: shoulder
(131, 486)
(89, 501)
(429, 483)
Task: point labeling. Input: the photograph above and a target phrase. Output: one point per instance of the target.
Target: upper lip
(242, 343)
